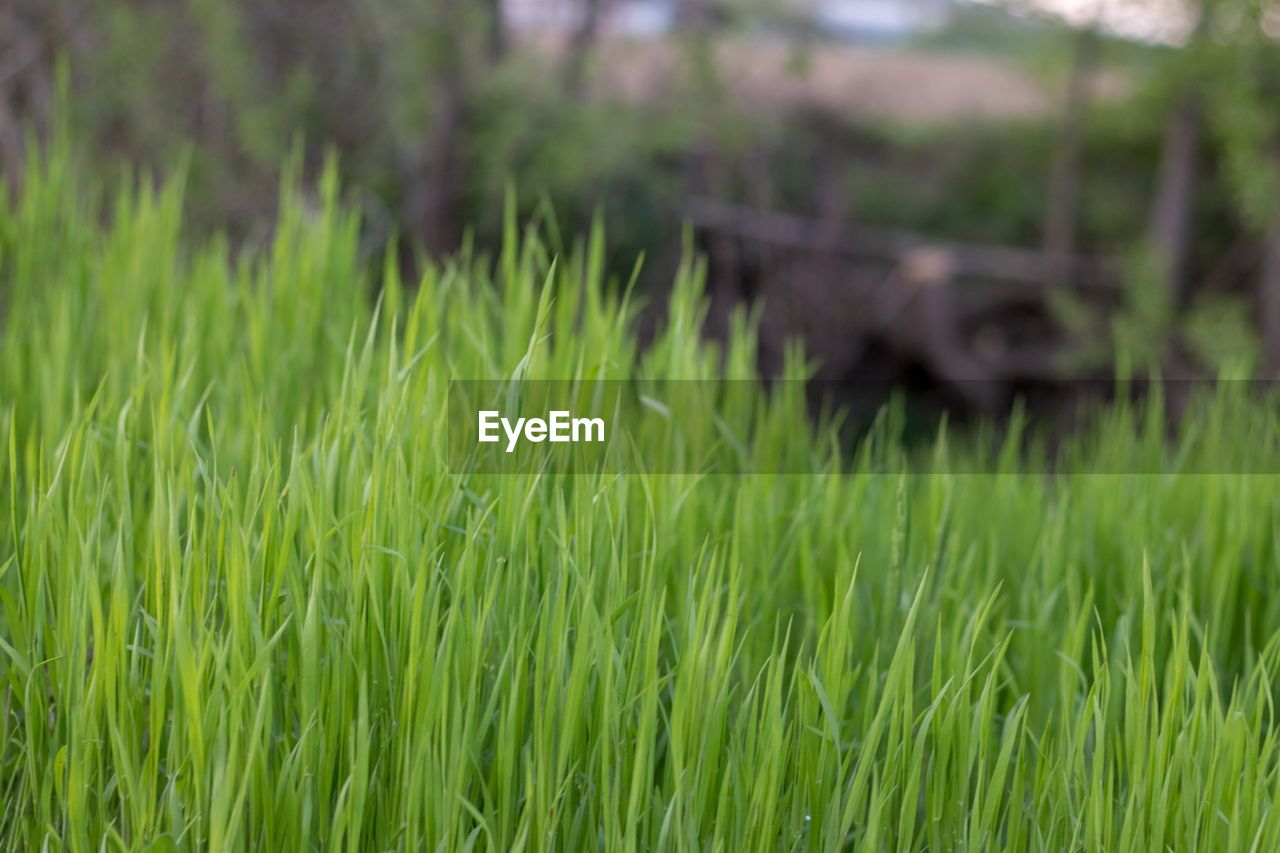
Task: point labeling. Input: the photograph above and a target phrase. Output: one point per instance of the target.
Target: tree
(30, 31)
(1243, 70)
(1064, 177)
(580, 45)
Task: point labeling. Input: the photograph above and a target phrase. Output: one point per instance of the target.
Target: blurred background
(975, 198)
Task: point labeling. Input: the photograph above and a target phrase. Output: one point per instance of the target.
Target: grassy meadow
(245, 603)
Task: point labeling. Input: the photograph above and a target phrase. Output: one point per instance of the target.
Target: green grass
(244, 603)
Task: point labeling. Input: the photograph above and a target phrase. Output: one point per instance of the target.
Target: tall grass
(245, 604)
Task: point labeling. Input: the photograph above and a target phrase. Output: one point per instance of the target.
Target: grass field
(245, 604)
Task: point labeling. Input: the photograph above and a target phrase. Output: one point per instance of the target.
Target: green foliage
(945, 182)
(579, 158)
(1222, 333)
(233, 87)
(1142, 329)
(986, 181)
(1243, 91)
(244, 604)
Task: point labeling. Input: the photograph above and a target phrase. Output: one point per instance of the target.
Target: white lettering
(589, 425)
(559, 427)
(487, 425)
(513, 434)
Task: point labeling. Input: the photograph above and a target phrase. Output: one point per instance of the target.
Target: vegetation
(1156, 160)
(244, 603)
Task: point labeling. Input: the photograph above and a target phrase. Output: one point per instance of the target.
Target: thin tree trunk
(434, 208)
(498, 43)
(432, 200)
(1064, 177)
(580, 45)
(29, 33)
(1175, 194)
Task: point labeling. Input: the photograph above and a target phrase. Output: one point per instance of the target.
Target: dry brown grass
(869, 82)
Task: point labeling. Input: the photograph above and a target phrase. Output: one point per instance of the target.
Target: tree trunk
(580, 45)
(30, 32)
(434, 198)
(431, 205)
(1175, 194)
(497, 31)
(1064, 177)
